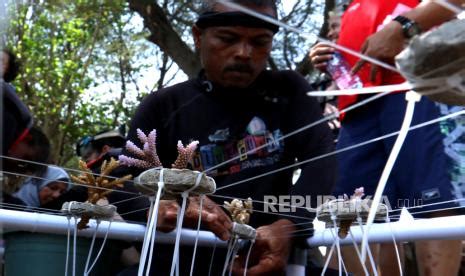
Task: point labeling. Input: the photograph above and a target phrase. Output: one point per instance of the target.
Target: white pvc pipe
(43, 223)
(445, 228)
(441, 228)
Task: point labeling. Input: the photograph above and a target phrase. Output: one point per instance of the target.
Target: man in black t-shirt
(235, 106)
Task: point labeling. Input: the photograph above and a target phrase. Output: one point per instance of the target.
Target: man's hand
(320, 54)
(213, 217)
(383, 45)
(270, 252)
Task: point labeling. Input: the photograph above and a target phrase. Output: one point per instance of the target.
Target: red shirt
(363, 18)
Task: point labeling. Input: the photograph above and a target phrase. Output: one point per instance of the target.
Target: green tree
(65, 48)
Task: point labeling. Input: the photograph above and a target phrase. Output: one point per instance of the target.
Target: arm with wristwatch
(391, 40)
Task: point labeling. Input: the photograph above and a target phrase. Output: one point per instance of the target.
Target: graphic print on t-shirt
(249, 146)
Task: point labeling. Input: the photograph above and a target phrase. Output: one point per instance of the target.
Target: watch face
(411, 30)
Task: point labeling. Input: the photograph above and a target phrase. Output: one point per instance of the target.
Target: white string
(64, 168)
(231, 245)
(370, 255)
(412, 98)
(396, 248)
(338, 245)
(252, 242)
(213, 257)
(364, 90)
(67, 245)
(432, 211)
(101, 247)
(74, 246)
(24, 208)
(126, 200)
(233, 257)
(180, 220)
(328, 258)
(152, 228)
(91, 247)
(67, 182)
(359, 255)
(197, 234)
(430, 204)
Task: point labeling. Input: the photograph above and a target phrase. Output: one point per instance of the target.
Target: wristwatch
(410, 28)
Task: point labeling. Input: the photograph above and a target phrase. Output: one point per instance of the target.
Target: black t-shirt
(227, 122)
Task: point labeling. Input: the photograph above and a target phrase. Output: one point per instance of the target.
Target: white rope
(370, 255)
(91, 248)
(412, 98)
(328, 258)
(359, 255)
(213, 257)
(67, 246)
(231, 244)
(197, 235)
(180, 220)
(252, 242)
(74, 246)
(341, 264)
(396, 248)
(101, 247)
(152, 229)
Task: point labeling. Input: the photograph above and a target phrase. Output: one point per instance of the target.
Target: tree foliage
(66, 49)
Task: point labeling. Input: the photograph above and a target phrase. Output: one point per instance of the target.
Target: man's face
(233, 56)
(334, 27)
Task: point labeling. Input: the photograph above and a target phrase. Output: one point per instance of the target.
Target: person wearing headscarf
(37, 192)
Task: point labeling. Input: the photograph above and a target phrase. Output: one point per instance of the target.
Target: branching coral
(147, 157)
(240, 210)
(184, 155)
(98, 187)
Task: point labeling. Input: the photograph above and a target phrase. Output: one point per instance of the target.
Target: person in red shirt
(420, 173)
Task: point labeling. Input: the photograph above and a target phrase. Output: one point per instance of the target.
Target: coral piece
(184, 154)
(176, 181)
(240, 210)
(98, 187)
(345, 211)
(147, 157)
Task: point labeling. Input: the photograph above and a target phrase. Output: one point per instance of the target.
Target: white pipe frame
(445, 228)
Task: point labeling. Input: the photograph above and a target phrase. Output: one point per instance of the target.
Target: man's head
(334, 24)
(91, 148)
(234, 47)
(9, 66)
(32, 146)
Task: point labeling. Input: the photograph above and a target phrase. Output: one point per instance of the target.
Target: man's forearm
(430, 14)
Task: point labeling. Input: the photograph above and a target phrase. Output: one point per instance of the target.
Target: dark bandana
(217, 19)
